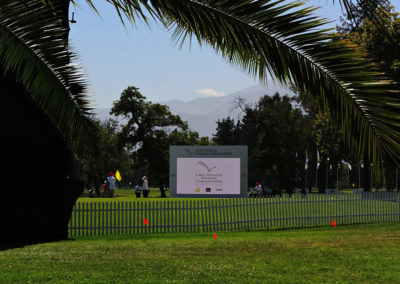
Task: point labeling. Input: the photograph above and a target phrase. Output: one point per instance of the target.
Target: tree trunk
(312, 169)
(366, 174)
(162, 190)
(40, 181)
(322, 177)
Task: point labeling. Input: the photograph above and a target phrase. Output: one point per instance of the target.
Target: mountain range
(203, 113)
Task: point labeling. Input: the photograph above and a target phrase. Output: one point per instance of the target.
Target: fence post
(174, 216)
(398, 205)
(147, 215)
(75, 216)
(237, 214)
(80, 216)
(117, 212)
(229, 214)
(104, 218)
(219, 212)
(158, 215)
(79, 219)
(164, 227)
(178, 212)
(190, 216)
(85, 220)
(248, 213)
(253, 205)
(175, 212)
(298, 210)
(262, 213)
(213, 214)
(186, 211)
(274, 221)
(97, 220)
(200, 215)
(92, 215)
(196, 212)
(119, 217)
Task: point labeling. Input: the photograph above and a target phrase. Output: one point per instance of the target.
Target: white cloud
(210, 93)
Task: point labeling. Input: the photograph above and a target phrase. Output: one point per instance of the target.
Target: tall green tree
(330, 149)
(146, 130)
(227, 132)
(111, 156)
(325, 146)
(281, 146)
(277, 134)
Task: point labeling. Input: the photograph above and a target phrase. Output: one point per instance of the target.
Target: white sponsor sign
(208, 176)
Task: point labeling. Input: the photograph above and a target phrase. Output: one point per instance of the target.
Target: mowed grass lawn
(345, 254)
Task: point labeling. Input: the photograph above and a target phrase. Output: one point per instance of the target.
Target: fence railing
(233, 214)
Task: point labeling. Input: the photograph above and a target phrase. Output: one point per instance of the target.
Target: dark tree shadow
(39, 181)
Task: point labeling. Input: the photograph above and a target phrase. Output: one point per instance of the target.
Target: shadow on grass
(12, 244)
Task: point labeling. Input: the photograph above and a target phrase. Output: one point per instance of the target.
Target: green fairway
(123, 195)
(346, 254)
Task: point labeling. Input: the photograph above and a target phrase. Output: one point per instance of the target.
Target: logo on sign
(208, 189)
(205, 165)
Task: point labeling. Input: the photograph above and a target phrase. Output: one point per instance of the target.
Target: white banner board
(208, 171)
(213, 176)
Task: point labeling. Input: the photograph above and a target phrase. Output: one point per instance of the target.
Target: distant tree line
(291, 144)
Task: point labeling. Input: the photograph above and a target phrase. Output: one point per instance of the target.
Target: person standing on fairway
(111, 181)
(258, 189)
(145, 187)
(137, 191)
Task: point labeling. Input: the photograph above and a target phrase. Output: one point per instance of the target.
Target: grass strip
(346, 254)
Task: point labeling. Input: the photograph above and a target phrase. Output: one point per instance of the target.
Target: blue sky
(114, 57)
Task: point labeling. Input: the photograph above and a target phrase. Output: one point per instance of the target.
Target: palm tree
(43, 112)
(263, 37)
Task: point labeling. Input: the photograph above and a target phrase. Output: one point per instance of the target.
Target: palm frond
(285, 40)
(35, 52)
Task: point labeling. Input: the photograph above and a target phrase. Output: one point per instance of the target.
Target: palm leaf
(34, 51)
(282, 39)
